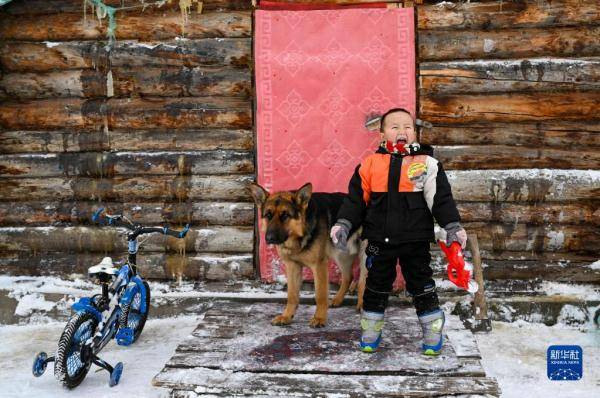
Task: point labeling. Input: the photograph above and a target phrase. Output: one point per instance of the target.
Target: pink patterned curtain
(319, 75)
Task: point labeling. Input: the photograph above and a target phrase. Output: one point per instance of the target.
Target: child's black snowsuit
(395, 198)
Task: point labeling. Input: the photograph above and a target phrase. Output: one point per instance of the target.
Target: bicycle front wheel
(131, 314)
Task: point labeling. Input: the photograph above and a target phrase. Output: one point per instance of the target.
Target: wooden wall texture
(174, 144)
(512, 88)
(513, 91)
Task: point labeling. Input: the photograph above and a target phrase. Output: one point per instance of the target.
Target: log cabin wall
(513, 91)
(174, 143)
(512, 88)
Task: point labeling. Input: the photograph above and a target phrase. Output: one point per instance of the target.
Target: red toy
(460, 272)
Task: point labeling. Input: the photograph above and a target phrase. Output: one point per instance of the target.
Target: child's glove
(456, 233)
(339, 233)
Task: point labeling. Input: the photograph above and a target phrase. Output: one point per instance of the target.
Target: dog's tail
(354, 241)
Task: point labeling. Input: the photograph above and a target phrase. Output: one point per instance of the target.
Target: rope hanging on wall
(103, 11)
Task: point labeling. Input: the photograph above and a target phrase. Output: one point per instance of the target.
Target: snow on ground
(515, 353)
(141, 361)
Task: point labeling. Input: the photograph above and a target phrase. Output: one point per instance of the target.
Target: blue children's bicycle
(120, 311)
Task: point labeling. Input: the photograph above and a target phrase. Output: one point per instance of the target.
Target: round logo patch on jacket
(416, 170)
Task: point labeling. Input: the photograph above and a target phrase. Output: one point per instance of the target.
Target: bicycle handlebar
(119, 221)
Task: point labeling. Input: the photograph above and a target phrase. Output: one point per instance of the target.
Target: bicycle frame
(121, 291)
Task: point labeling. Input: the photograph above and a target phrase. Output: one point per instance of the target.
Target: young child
(395, 194)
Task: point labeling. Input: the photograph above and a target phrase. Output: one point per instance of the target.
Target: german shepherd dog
(298, 223)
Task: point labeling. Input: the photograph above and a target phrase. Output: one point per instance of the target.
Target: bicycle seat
(104, 270)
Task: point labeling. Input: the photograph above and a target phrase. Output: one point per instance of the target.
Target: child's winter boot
(371, 324)
(432, 324)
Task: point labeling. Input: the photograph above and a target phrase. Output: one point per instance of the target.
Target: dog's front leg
(321, 275)
(294, 281)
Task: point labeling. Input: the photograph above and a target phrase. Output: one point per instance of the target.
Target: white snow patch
(557, 239)
(572, 315)
(488, 45)
(582, 292)
(515, 353)
(51, 44)
(281, 279)
(445, 4)
(147, 45)
(31, 302)
(533, 61)
(142, 361)
(595, 265)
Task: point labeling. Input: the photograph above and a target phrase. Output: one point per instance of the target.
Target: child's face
(399, 127)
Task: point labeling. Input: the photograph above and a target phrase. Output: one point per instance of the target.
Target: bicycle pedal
(124, 336)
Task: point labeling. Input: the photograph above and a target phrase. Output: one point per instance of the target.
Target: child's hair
(393, 110)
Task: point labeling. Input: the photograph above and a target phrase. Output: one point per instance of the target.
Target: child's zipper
(392, 189)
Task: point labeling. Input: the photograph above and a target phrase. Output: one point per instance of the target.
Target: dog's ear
(303, 195)
(258, 193)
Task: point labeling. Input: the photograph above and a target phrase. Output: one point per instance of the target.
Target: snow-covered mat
(236, 350)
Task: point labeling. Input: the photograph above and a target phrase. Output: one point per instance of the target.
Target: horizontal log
(542, 134)
(120, 189)
(524, 185)
(550, 258)
(36, 7)
(534, 270)
(110, 164)
(117, 113)
(497, 237)
(129, 82)
(513, 157)
(541, 214)
(242, 213)
(520, 107)
(503, 14)
(526, 75)
(199, 266)
(109, 240)
(440, 45)
(147, 213)
(47, 56)
(501, 237)
(124, 140)
(130, 26)
(227, 266)
(521, 185)
(68, 83)
(514, 259)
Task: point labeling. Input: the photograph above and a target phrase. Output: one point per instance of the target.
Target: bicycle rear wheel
(71, 363)
(131, 315)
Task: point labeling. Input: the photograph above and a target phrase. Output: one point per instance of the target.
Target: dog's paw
(281, 320)
(336, 301)
(317, 322)
(353, 286)
(359, 306)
